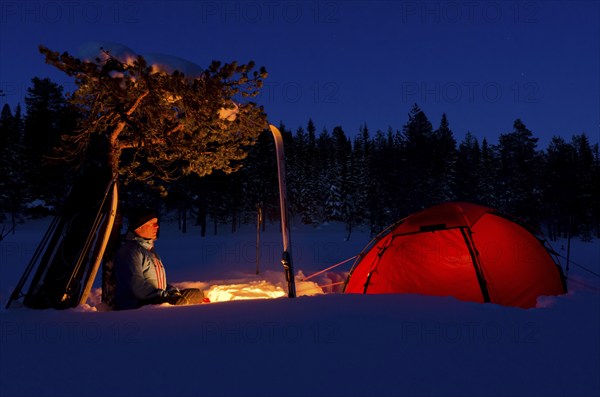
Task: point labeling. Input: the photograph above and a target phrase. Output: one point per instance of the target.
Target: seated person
(139, 273)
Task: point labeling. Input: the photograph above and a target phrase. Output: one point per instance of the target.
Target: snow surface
(322, 345)
(160, 63)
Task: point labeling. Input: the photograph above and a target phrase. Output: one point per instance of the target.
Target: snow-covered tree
(361, 177)
(387, 181)
(312, 171)
(156, 125)
(299, 174)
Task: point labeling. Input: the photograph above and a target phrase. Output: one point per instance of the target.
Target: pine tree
(13, 188)
(294, 146)
(158, 126)
(443, 163)
(595, 176)
(327, 188)
(488, 186)
(468, 169)
(7, 127)
(559, 186)
(583, 190)
(384, 187)
(342, 179)
(312, 180)
(519, 190)
(259, 176)
(299, 176)
(360, 174)
(320, 171)
(48, 119)
(418, 151)
(219, 199)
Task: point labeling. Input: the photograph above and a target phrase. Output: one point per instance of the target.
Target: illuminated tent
(467, 251)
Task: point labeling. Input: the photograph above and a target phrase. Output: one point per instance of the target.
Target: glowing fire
(271, 287)
(252, 290)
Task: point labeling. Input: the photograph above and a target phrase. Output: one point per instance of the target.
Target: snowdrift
(329, 344)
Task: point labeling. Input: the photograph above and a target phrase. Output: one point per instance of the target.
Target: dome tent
(467, 251)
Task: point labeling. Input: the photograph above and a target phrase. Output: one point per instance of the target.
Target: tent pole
(259, 220)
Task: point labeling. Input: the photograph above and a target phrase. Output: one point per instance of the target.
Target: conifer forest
(362, 178)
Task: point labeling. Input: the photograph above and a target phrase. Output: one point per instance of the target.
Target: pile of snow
(160, 63)
(229, 114)
(164, 63)
(104, 50)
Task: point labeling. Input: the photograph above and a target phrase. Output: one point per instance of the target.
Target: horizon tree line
(362, 179)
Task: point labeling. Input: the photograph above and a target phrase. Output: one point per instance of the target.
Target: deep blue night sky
(483, 63)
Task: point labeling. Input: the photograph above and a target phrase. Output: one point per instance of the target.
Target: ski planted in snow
(286, 257)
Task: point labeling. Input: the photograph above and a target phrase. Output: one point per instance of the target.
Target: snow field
(325, 345)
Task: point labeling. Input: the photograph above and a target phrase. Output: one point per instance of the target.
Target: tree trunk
(202, 220)
(108, 275)
(114, 241)
(114, 153)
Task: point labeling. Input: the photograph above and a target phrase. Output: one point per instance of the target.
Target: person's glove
(173, 295)
(172, 289)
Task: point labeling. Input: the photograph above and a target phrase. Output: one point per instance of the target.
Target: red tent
(467, 251)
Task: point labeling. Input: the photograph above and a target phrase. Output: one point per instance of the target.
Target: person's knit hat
(140, 216)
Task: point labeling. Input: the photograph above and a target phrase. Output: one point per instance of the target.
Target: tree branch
(137, 103)
(121, 124)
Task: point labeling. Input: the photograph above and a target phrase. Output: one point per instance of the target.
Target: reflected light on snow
(252, 290)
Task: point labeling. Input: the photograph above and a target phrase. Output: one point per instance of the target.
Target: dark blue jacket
(139, 274)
